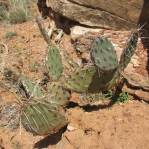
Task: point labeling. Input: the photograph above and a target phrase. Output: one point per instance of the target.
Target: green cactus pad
(103, 54)
(88, 80)
(114, 81)
(54, 63)
(128, 51)
(57, 96)
(100, 81)
(124, 60)
(39, 119)
(81, 81)
(30, 88)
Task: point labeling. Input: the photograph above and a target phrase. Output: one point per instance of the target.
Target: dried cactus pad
(40, 120)
(89, 98)
(81, 80)
(103, 54)
(57, 96)
(54, 63)
(128, 51)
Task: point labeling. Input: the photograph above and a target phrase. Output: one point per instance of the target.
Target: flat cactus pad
(57, 95)
(39, 119)
(81, 80)
(31, 88)
(54, 63)
(103, 54)
(128, 51)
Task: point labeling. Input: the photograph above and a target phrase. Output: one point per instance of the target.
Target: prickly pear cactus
(39, 119)
(103, 54)
(54, 63)
(41, 115)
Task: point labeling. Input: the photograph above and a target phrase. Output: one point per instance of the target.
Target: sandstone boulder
(117, 14)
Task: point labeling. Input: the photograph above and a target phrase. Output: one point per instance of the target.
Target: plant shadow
(89, 107)
(50, 140)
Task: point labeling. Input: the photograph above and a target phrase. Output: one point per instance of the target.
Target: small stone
(71, 128)
(78, 31)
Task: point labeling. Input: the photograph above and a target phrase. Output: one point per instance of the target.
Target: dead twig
(6, 51)
(43, 30)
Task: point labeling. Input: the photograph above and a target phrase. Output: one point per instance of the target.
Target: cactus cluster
(105, 72)
(41, 114)
(114, 68)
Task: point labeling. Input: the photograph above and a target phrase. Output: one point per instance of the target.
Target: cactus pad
(54, 63)
(103, 54)
(89, 80)
(101, 84)
(39, 119)
(124, 60)
(81, 80)
(128, 51)
(30, 88)
(57, 96)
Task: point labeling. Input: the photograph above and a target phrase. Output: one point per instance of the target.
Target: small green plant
(9, 35)
(123, 97)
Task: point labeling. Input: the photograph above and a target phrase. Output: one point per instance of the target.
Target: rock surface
(99, 13)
